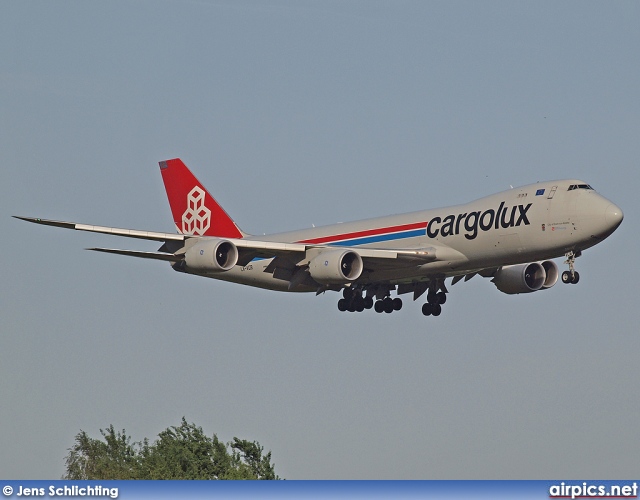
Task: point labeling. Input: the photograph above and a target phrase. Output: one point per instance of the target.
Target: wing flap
(268, 248)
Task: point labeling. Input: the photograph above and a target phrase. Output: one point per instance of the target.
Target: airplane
(509, 237)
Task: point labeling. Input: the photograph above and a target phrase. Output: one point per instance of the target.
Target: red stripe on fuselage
(368, 232)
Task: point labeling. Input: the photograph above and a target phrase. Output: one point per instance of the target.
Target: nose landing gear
(571, 276)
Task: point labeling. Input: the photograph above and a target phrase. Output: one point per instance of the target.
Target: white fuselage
(530, 223)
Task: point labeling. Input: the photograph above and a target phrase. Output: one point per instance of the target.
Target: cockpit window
(580, 186)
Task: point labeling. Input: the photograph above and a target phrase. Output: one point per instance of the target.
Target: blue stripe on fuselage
(378, 238)
(371, 239)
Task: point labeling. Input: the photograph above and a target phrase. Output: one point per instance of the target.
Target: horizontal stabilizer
(144, 255)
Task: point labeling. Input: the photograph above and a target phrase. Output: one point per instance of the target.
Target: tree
(182, 452)
(115, 458)
(249, 453)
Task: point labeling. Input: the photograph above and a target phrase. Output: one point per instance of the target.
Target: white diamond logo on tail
(197, 217)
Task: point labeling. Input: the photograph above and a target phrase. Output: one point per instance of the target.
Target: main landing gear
(359, 298)
(353, 301)
(436, 297)
(388, 305)
(571, 276)
(433, 306)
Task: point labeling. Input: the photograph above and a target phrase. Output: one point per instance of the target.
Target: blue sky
(301, 113)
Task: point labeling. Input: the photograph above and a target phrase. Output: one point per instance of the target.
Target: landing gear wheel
(436, 309)
(368, 302)
(442, 297)
(388, 305)
(427, 309)
(342, 305)
(378, 306)
(358, 303)
(567, 278)
(397, 304)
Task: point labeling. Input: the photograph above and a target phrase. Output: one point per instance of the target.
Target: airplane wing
(169, 257)
(264, 249)
(130, 233)
(287, 256)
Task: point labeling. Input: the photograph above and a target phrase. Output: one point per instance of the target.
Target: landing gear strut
(571, 276)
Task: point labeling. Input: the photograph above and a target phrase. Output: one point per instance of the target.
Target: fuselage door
(552, 192)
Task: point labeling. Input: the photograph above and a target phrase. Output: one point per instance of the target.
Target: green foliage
(249, 454)
(183, 452)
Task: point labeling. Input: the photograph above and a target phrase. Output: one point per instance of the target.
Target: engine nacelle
(526, 278)
(211, 255)
(336, 267)
(552, 273)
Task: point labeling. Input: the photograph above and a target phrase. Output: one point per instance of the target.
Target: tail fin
(194, 210)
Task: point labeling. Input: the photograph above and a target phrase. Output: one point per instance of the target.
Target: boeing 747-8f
(509, 237)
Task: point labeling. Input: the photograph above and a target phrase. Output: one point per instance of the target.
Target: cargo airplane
(509, 237)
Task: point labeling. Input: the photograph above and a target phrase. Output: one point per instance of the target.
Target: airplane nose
(613, 214)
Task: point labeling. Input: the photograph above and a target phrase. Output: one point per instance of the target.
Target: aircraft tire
(342, 305)
(378, 306)
(388, 305)
(576, 277)
(436, 309)
(566, 277)
(397, 304)
(442, 297)
(358, 302)
(368, 302)
(426, 309)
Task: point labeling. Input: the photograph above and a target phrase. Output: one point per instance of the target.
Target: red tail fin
(194, 210)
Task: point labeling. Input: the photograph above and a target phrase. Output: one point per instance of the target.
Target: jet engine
(525, 278)
(336, 266)
(211, 255)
